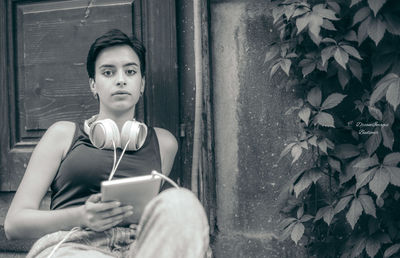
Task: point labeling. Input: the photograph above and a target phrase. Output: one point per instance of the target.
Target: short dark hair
(112, 38)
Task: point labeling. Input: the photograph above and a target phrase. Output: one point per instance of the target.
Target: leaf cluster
(344, 57)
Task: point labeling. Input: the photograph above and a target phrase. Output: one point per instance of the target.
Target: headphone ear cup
(134, 132)
(103, 133)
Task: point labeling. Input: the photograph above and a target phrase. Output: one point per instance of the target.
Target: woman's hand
(100, 216)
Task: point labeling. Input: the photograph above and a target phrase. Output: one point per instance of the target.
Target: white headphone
(104, 134)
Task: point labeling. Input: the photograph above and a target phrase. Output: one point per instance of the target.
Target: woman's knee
(181, 205)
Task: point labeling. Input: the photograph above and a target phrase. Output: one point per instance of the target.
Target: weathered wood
(43, 74)
(162, 92)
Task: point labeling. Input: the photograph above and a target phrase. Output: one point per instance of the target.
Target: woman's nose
(121, 81)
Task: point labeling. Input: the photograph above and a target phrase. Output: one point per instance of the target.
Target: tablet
(136, 191)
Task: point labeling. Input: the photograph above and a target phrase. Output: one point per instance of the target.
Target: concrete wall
(250, 132)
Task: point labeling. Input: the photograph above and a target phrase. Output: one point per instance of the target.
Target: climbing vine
(343, 56)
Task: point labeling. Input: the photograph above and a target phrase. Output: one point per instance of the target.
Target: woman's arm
(168, 149)
(25, 220)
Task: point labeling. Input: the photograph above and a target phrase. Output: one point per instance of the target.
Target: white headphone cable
(169, 180)
(73, 230)
(115, 166)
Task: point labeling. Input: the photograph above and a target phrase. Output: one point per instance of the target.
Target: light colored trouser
(173, 224)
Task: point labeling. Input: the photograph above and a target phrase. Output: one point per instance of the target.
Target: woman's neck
(119, 118)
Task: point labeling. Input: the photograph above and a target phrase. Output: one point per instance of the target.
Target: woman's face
(118, 80)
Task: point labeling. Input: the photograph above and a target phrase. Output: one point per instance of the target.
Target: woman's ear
(92, 85)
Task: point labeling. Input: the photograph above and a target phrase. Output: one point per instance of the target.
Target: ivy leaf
(306, 218)
(354, 2)
(297, 232)
(351, 51)
(324, 119)
(314, 97)
(388, 137)
(373, 142)
(354, 212)
(274, 68)
(272, 52)
(286, 150)
(314, 28)
(365, 178)
(372, 246)
(313, 140)
(375, 6)
(296, 153)
(382, 63)
(307, 66)
(324, 13)
(302, 22)
(392, 159)
(394, 173)
(382, 86)
(363, 30)
(392, 23)
(335, 164)
(286, 222)
(361, 15)
(388, 117)
(285, 65)
(358, 247)
(328, 25)
(332, 101)
(393, 249)
(380, 181)
(367, 162)
(321, 212)
(393, 94)
(342, 203)
(304, 114)
(328, 215)
(375, 112)
(368, 204)
(327, 53)
(300, 11)
(343, 77)
(277, 13)
(323, 146)
(287, 231)
(300, 212)
(345, 151)
(351, 36)
(376, 30)
(334, 6)
(309, 177)
(341, 57)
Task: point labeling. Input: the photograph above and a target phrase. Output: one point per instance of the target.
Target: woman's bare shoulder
(60, 135)
(166, 139)
(168, 148)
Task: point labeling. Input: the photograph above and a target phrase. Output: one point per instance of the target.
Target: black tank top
(85, 167)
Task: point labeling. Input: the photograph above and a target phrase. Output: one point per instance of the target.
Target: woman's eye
(130, 72)
(108, 73)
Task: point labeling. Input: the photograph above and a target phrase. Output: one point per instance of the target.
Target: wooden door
(43, 76)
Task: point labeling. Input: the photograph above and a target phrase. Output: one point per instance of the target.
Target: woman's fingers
(102, 206)
(94, 198)
(110, 222)
(116, 211)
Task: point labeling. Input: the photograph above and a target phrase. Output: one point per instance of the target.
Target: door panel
(43, 76)
(53, 41)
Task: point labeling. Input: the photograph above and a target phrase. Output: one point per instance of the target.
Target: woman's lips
(121, 93)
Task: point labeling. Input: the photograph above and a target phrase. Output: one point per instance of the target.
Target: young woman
(72, 160)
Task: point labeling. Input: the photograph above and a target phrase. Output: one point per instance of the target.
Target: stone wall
(250, 132)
